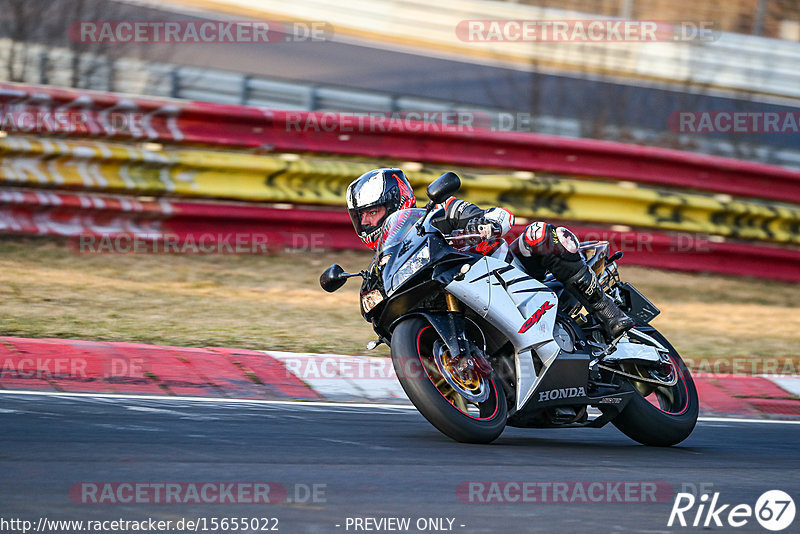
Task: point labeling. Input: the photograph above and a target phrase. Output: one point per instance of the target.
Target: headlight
(417, 262)
(370, 300)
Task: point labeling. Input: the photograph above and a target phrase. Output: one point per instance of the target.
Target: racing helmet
(379, 187)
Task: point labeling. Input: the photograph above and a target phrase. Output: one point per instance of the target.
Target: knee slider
(567, 241)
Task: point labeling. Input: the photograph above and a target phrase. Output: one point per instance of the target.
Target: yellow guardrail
(119, 168)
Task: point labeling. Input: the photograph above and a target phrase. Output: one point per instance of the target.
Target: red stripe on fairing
(536, 317)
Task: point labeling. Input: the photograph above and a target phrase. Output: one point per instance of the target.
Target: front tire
(665, 417)
(412, 356)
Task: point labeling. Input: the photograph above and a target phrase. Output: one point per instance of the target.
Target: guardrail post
(44, 61)
(174, 83)
(758, 25)
(311, 103)
(111, 82)
(245, 93)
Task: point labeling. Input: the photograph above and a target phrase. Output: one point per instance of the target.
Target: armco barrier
(176, 121)
(89, 215)
(582, 185)
(101, 166)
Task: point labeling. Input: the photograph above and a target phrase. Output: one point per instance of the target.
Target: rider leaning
(542, 247)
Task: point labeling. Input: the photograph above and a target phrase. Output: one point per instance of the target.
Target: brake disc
(473, 389)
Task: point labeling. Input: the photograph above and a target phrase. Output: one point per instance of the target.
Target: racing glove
(485, 227)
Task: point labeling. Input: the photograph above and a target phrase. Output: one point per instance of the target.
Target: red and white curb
(352, 378)
(64, 365)
(345, 378)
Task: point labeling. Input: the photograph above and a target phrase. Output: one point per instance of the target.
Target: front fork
(452, 327)
(453, 303)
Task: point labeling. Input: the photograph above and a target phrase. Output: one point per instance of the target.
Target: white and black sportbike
(478, 344)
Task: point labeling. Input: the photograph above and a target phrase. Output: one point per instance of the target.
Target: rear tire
(648, 424)
(412, 340)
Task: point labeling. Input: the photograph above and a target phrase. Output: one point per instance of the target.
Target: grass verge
(719, 324)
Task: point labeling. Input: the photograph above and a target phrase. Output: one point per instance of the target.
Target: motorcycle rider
(542, 247)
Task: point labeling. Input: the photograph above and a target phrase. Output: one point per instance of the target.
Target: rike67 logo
(774, 510)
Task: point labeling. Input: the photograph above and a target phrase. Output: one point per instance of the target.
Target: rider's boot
(586, 289)
(545, 247)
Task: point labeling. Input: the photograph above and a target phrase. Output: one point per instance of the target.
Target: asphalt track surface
(375, 461)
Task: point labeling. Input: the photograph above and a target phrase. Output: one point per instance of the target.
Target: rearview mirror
(333, 278)
(444, 187)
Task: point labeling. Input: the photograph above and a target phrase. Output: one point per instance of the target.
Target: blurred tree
(37, 46)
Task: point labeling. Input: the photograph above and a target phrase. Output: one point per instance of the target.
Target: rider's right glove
(483, 226)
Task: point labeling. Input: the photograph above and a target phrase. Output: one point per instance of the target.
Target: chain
(640, 378)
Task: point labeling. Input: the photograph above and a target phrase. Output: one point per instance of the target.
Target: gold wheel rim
(451, 395)
(471, 383)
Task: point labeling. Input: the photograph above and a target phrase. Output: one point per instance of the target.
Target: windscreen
(398, 225)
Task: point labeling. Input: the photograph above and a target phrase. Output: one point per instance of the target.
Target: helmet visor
(369, 220)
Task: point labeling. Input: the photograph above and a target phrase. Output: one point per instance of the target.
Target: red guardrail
(167, 120)
(258, 229)
(237, 227)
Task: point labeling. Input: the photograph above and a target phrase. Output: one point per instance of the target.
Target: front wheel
(659, 415)
(414, 348)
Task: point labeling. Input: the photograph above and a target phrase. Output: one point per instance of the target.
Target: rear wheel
(415, 347)
(660, 415)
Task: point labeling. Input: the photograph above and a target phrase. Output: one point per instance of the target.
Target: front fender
(450, 327)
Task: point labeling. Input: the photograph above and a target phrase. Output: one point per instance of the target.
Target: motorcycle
(450, 306)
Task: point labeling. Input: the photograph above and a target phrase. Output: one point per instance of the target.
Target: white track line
(712, 419)
(205, 399)
(214, 400)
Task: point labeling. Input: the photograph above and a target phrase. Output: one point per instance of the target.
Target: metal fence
(60, 67)
(732, 62)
